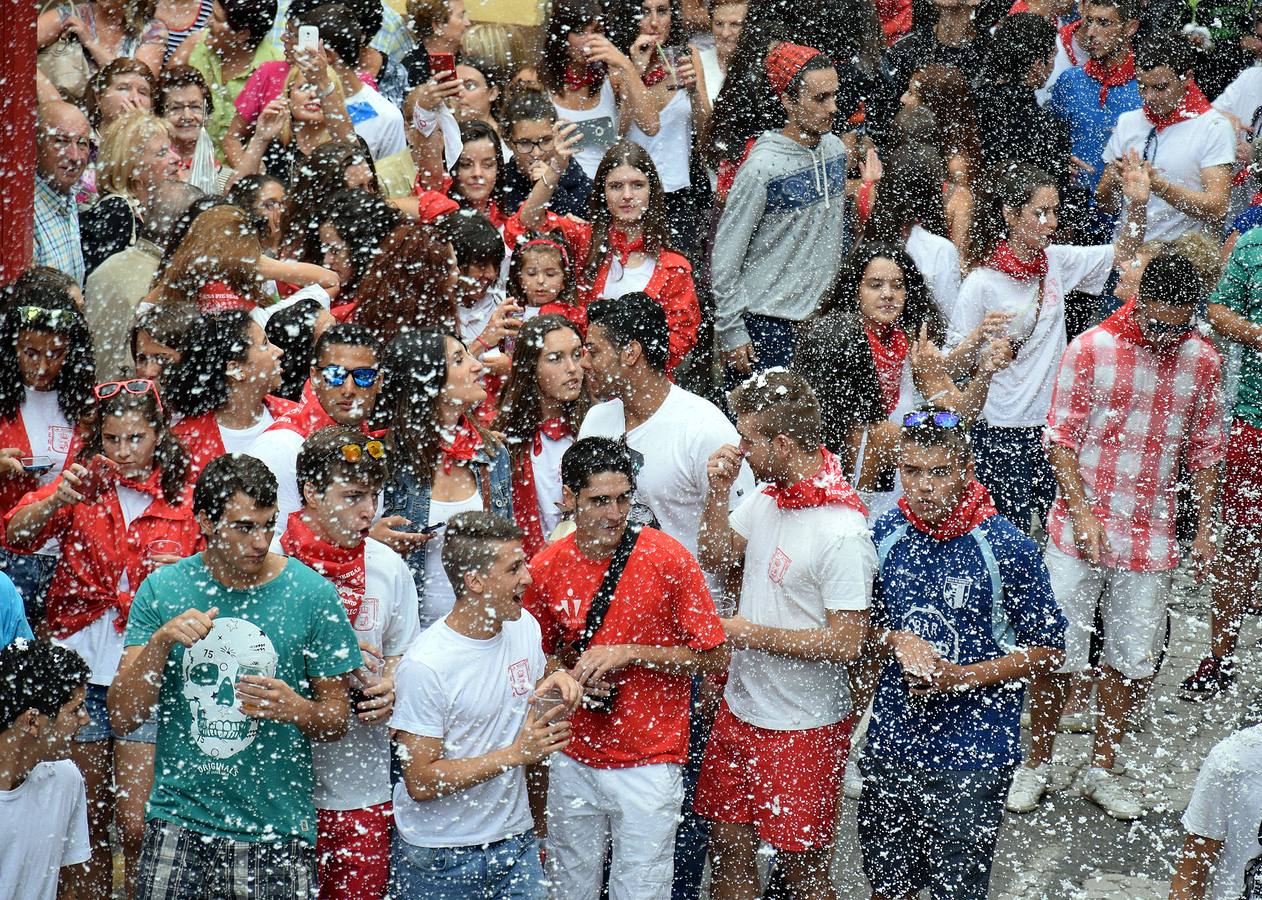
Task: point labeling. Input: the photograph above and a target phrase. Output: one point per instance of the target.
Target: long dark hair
(565, 16)
(521, 411)
(293, 331)
(654, 227)
(414, 372)
(319, 175)
(1013, 185)
(74, 382)
(198, 383)
(910, 194)
(623, 25)
(170, 456)
(477, 130)
(918, 308)
(363, 221)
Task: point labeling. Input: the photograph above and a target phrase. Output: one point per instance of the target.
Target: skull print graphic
(234, 648)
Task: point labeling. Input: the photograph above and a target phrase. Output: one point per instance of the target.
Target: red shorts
(1242, 479)
(785, 783)
(353, 852)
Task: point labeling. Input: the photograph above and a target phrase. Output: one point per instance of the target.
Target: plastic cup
(725, 605)
(548, 701)
(163, 548)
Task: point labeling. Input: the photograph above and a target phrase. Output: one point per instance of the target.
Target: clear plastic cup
(547, 701)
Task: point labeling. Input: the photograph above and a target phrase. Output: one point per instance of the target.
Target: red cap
(784, 62)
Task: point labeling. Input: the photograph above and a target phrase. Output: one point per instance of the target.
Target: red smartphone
(95, 483)
(440, 64)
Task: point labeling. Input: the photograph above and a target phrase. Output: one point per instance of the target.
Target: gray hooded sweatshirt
(782, 234)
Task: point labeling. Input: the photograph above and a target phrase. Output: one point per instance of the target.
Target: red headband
(544, 242)
(784, 62)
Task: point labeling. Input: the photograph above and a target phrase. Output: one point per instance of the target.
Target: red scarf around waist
(525, 496)
(974, 507)
(1004, 260)
(889, 358)
(343, 567)
(1192, 105)
(1110, 77)
(826, 487)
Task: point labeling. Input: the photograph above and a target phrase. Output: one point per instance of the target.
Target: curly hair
(407, 286)
(74, 381)
(198, 383)
(170, 457)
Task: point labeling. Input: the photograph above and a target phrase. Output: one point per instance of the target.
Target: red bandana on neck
(825, 488)
(345, 568)
(975, 507)
(1006, 261)
(623, 246)
(1123, 325)
(525, 498)
(1192, 105)
(1067, 33)
(1115, 76)
(553, 430)
(151, 485)
(889, 358)
(577, 78)
(463, 446)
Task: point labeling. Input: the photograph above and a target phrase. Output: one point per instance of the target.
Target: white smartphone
(308, 37)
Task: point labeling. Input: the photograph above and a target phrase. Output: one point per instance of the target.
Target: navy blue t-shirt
(944, 592)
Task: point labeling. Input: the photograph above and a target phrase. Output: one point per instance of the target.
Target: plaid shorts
(179, 864)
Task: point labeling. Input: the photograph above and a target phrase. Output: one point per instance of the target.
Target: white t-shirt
(50, 435)
(377, 121)
(354, 772)
(671, 148)
(1021, 395)
(1179, 153)
(622, 281)
(239, 440)
(1243, 97)
(439, 596)
(676, 443)
(799, 564)
(598, 126)
(1226, 806)
(43, 828)
(939, 262)
(547, 472)
(278, 450)
(472, 694)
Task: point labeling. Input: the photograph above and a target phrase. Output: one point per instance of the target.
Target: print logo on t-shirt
(955, 590)
(212, 667)
(519, 678)
(931, 625)
(779, 566)
(59, 438)
(369, 612)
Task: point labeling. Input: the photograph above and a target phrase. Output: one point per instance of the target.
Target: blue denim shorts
(505, 870)
(98, 727)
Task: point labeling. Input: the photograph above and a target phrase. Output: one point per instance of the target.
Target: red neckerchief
(623, 247)
(553, 430)
(975, 507)
(217, 297)
(1257, 199)
(1110, 77)
(728, 169)
(578, 78)
(889, 359)
(1006, 261)
(151, 485)
(656, 73)
(1067, 33)
(576, 313)
(826, 487)
(463, 446)
(1192, 105)
(1019, 7)
(343, 567)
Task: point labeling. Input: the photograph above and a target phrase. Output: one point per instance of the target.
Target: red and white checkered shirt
(1133, 416)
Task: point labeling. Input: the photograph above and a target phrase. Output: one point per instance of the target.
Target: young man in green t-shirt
(244, 654)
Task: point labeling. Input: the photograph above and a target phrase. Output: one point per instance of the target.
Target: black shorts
(928, 828)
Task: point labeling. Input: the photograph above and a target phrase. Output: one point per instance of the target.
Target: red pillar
(17, 135)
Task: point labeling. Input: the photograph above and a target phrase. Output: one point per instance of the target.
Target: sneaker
(1106, 790)
(1210, 677)
(1027, 788)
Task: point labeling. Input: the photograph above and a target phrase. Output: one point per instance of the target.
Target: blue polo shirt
(1076, 101)
(973, 598)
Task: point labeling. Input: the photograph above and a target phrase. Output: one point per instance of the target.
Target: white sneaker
(1027, 788)
(1106, 790)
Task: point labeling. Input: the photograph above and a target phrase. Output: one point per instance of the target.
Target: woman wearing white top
(1024, 276)
(727, 17)
(591, 82)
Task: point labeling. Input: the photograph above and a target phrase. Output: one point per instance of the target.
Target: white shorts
(1132, 609)
(638, 807)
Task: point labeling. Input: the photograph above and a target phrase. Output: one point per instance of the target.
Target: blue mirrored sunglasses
(335, 376)
(927, 417)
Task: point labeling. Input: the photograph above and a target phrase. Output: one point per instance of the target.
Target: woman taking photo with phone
(46, 376)
(541, 412)
(444, 462)
(120, 511)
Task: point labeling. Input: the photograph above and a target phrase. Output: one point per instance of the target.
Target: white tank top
(671, 147)
(598, 125)
(714, 76)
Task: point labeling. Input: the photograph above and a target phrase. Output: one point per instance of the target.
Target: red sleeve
(55, 527)
(695, 612)
(536, 603)
(678, 298)
(261, 88)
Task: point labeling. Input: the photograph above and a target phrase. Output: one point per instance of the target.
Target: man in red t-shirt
(621, 771)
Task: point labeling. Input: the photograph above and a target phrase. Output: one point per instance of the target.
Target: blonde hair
(1197, 248)
(121, 146)
(489, 40)
(221, 245)
(338, 97)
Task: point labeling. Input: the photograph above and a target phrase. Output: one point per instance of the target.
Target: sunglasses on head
(353, 453)
(927, 418)
(335, 376)
(136, 386)
(51, 318)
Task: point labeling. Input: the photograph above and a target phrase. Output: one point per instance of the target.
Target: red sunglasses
(132, 386)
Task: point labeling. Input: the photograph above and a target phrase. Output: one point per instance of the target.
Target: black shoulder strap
(603, 597)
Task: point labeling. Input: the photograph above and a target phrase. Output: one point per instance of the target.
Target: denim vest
(404, 496)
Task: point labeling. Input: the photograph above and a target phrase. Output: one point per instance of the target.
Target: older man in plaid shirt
(1137, 401)
(62, 139)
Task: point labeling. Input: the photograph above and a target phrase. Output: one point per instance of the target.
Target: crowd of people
(446, 461)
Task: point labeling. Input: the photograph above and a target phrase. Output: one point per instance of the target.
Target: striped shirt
(175, 38)
(57, 231)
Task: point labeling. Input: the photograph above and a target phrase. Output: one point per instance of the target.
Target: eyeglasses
(927, 418)
(543, 145)
(335, 376)
(50, 318)
(353, 453)
(177, 109)
(137, 386)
